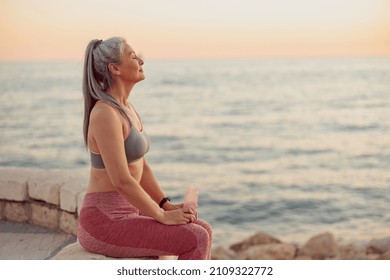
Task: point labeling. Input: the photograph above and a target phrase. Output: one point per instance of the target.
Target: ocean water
(293, 147)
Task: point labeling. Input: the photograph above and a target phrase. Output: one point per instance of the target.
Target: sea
(289, 146)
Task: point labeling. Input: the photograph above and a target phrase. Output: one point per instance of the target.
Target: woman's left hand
(168, 206)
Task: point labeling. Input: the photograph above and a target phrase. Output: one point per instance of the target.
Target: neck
(121, 92)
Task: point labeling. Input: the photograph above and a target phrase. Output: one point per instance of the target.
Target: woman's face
(131, 66)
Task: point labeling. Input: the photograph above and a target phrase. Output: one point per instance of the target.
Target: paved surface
(29, 242)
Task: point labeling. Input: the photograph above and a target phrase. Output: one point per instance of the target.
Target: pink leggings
(109, 225)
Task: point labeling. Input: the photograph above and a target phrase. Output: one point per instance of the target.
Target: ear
(113, 68)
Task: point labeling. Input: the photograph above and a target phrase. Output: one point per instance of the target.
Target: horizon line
(206, 58)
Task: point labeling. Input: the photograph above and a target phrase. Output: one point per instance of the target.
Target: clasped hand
(177, 215)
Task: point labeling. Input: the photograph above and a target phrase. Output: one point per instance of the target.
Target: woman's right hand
(180, 216)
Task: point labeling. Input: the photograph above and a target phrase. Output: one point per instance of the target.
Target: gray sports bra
(136, 146)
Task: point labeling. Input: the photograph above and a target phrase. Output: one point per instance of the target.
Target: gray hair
(97, 78)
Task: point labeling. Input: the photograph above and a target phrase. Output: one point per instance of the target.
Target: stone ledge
(74, 251)
(13, 183)
(69, 194)
(17, 211)
(80, 199)
(46, 185)
(50, 199)
(47, 198)
(45, 215)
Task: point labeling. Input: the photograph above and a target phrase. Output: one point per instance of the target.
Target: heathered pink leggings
(109, 225)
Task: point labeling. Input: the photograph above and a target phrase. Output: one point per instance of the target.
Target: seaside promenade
(21, 241)
(38, 212)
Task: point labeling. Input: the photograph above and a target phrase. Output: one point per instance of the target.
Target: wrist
(168, 206)
(160, 216)
(164, 201)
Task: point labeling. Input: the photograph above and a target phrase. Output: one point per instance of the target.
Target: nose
(140, 61)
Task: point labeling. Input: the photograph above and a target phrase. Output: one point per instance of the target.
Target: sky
(199, 29)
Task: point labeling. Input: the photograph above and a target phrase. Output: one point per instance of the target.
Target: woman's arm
(106, 129)
(150, 184)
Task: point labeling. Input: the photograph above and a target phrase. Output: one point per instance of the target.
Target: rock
(322, 246)
(373, 257)
(221, 253)
(302, 258)
(385, 256)
(379, 245)
(350, 252)
(258, 239)
(280, 251)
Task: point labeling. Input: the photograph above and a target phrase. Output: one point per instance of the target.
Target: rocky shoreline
(324, 246)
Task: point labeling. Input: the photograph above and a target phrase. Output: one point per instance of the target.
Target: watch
(162, 202)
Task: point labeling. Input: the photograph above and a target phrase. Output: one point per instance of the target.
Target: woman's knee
(201, 249)
(203, 238)
(206, 226)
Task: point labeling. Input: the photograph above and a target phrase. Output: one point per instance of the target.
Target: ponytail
(97, 79)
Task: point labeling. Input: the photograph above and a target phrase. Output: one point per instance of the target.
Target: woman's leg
(207, 227)
(142, 236)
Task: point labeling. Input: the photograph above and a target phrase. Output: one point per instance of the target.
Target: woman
(122, 184)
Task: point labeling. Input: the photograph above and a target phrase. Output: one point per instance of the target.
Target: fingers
(190, 218)
(193, 215)
(180, 217)
(185, 217)
(188, 210)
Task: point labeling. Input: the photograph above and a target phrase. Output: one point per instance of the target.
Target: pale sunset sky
(180, 29)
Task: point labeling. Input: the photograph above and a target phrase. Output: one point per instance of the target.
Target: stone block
(80, 199)
(17, 211)
(46, 184)
(74, 251)
(13, 183)
(2, 210)
(45, 215)
(69, 193)
(68, 222)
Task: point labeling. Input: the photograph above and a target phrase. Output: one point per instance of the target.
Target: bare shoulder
(104, 114)
(105, 126)
(104, 121)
